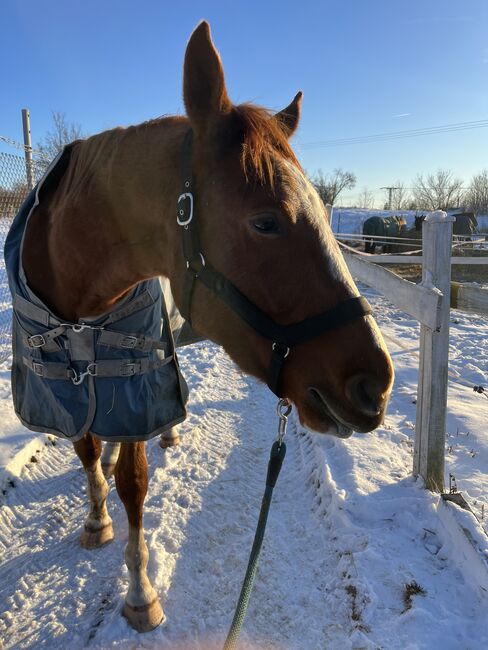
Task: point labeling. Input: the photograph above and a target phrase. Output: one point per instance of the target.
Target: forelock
(264, 139)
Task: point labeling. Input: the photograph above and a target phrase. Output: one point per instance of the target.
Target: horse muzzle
(361, 408)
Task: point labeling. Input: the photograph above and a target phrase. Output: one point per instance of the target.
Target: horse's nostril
(365, 393)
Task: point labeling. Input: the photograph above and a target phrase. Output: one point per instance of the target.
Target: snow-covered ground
(355, 556)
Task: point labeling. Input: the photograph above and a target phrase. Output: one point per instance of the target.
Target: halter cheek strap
(282, 337)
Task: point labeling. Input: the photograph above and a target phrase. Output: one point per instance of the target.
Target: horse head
(418, 222)
(263, 227)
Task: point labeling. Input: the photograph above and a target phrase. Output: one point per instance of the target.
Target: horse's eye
(266, 224)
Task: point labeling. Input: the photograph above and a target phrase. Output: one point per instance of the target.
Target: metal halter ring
(181, 211)
(273, 347)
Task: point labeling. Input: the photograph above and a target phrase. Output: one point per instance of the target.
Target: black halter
(281, 336)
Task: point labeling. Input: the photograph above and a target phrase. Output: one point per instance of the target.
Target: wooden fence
(428, 302)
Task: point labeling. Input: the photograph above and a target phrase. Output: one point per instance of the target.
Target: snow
(349, 527)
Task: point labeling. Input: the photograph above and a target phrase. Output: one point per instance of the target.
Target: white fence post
(434, 355)
(329, 208)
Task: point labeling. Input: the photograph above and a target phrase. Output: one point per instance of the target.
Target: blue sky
(365, 66)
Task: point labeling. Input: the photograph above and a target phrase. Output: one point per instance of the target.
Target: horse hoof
(95, 538)
(108, 470)
(171, 441)
(144, 618)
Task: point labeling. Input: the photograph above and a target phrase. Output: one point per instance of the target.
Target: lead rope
(277, 455)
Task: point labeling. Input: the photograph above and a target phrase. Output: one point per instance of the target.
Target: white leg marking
(110, 453)
(140, 591)
(170, 438)
(98, 525)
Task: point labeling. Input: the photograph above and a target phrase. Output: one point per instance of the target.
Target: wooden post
(329, 209)
(27, 147)
(434, 355)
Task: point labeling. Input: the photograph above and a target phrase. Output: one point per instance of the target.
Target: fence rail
(468, 298)
(417, 259)
(414, 299)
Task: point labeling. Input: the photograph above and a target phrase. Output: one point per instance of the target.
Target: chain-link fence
(13, 191)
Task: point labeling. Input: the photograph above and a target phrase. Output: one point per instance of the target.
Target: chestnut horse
(261, 225)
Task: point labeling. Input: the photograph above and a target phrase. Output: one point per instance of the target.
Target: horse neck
(111, 227)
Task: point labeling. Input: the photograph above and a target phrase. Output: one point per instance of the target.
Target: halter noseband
(281, 336)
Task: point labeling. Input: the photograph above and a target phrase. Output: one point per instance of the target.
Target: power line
(396, 135)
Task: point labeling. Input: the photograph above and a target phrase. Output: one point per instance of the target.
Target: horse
(464, 226)
(391, 226)
(262, 276)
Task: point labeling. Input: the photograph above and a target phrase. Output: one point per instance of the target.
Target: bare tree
(329, 186)
(366, 199)
(62, 133)
(438, 191)
(399, 197)
(476, 196)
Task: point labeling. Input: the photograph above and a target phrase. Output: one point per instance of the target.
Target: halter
(282, 337)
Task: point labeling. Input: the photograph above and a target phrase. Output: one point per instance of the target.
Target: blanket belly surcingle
(117, 376)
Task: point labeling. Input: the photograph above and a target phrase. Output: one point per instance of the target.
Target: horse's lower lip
(343, 430)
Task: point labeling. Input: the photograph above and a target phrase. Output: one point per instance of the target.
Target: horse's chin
(318, 417)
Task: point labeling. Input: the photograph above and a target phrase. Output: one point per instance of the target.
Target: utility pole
(390, 194)
(27, 147)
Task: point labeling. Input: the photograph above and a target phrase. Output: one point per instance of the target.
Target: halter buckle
(182, 211)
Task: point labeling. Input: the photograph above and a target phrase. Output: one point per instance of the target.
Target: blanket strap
(129, 341)
(108, 368)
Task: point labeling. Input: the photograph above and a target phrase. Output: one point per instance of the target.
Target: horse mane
(263, 136)
(87, 157)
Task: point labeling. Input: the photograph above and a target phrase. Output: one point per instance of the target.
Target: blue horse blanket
(117, 376)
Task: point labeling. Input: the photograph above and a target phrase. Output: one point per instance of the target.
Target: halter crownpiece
(283, 337)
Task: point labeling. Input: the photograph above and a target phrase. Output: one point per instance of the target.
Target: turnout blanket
(117, 376)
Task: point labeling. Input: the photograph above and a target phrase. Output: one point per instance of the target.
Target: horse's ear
(290, 116)
(204, 88)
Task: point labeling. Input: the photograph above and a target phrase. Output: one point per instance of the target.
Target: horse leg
(142, 608)
(170, 438)
(98, 525)
(110, 454)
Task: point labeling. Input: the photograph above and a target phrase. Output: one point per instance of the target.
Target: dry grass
(412, 589)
